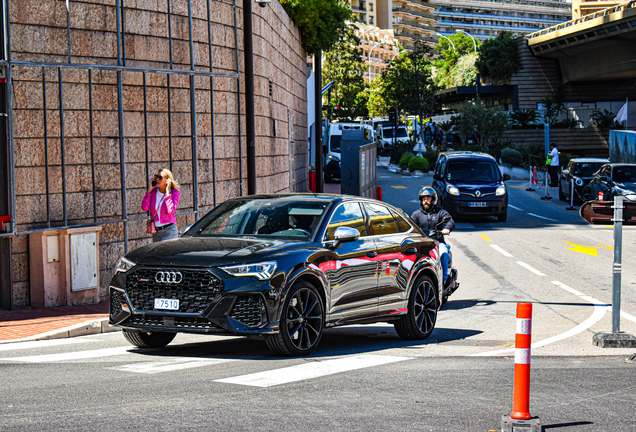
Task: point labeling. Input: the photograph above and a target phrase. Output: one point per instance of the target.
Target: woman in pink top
(161, 201)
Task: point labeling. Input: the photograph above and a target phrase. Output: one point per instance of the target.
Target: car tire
(502, 217)
(420, 319)
(561, 194)
(148, 339)
(301, 323)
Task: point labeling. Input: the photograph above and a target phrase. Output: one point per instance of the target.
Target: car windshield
(473, 171)
(586, 169)
(625, 174)
(278, 217)
(334, 144)
(388, 133)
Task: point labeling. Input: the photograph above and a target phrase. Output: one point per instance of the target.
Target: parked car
(281, 268)
(331, 151)
(580, 172)
(611, 180)
(471, 184)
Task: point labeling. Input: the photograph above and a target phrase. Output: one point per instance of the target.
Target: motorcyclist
(428, 217)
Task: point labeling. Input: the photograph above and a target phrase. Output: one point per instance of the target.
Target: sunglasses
(158, 177)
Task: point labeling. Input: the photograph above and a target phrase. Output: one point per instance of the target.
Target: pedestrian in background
(438, 136)
(428, 137)
(553, 167)
(161, 201)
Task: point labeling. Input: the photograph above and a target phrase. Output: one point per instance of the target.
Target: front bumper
(489, 206)
(207, 304)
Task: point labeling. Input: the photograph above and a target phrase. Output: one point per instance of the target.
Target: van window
(472, 171)
(334, 143)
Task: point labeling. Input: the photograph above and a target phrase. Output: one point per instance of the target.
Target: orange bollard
(378, 193)
(600, 196)
(521, 386)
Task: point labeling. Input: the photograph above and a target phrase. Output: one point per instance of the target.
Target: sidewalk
(28, 323)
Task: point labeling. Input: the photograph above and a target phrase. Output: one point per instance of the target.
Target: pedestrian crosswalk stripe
(169, 365)
(42, 344)
(75, 355)
(311, 370)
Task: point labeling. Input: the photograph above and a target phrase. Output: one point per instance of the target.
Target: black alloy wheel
(419, 321)
(148, 339)
(301, 324)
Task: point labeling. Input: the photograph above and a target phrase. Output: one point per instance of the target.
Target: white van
(331, 150)
(385, 136)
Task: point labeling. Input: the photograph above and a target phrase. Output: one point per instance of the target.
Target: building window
(371, 20)
(370, 7)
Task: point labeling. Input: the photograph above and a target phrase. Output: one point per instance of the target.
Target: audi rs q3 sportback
(281, 268)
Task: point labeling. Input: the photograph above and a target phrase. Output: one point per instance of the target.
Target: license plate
(477, 204)
(167, 304)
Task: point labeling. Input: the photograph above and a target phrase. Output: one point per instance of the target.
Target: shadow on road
(464, 304)
(563, 425)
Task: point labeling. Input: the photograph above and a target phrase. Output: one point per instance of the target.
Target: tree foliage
(344, 65)
(480, 123)
(554, 104)
(407, 83)
(524, 119)
(499, 58)
(321, 22)
(456, 67)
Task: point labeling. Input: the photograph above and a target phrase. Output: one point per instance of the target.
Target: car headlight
(123, 265)
(578, 181)
(261, 271)
(631, 197)
(452, 190)
(334, 158)
(500, 190)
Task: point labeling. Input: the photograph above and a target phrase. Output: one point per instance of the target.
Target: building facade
(485, 19)
(378, 48)
(101, 95)
(414, 22)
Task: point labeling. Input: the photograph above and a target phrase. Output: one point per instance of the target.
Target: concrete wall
(39, 33)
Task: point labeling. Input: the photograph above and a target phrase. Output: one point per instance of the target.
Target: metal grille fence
(87, 127)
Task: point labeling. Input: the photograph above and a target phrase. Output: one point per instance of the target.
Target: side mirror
(565, 172)
(437, 176)
(346, 234)
(506, 177)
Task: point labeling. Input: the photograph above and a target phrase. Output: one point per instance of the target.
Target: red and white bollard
(600, 196)
(520, 417)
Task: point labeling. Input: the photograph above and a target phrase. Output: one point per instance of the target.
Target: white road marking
(311, 370)
(42, 344)
(529, 267)
(628, 316)
(385, 176)
(516, 208)
(169, 365)
(600, 309)
(76, 355)
(414, 201)
(543, 217)
(500, 250)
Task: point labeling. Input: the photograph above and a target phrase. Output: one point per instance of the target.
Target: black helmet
(428, 191)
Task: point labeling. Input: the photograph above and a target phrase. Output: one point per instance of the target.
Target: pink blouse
(167, 212)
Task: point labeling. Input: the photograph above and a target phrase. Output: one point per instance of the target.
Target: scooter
(451, 284)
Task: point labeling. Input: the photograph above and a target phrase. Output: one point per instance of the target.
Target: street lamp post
(448, 39)
(470, 36)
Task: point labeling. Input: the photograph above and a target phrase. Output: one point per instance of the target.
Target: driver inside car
(428, 216)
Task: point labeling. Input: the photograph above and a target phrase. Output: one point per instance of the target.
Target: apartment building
(487, 18)
(414, 22)
(372, 12)
(584, 7)
(378, 49)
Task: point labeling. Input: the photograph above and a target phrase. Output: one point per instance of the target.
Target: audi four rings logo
(169, 277)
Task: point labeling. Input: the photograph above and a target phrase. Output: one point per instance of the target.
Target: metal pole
(618, 253)
(193, 124)
(238, 105)
(120, 110)
(213, 168)
(249, 97)
(62, 146)
(571, 194)
(318, 118)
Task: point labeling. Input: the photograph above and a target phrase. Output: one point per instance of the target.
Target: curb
(82, 329)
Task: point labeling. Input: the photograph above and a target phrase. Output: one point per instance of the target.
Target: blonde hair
(175, 184)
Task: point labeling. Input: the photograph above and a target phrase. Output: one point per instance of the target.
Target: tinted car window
(275, 217)
(586, 169)
(403, 226)
(624, 174)
(347, 215)
(382, 221)
(473, 171)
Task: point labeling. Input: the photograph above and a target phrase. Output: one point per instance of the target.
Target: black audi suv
(471, 184)
(281, 268)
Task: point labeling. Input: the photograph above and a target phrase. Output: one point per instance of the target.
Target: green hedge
(511, 157)
(418, 164)
(405, 159)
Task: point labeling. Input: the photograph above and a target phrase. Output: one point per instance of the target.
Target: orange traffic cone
(535, 181)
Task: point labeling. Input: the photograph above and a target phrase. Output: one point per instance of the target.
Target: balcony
(427, 14)
(478, 16)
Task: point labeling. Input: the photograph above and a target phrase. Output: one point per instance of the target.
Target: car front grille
(195, 291)
(249, 310)
(116, 299)
(176, 322)
(474, 210)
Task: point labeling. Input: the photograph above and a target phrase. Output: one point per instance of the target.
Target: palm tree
(523, 119)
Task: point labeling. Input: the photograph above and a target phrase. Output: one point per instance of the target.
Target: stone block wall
(157, 126)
